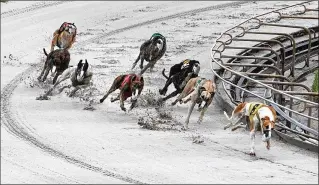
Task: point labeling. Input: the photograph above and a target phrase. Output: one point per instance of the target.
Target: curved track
(17, 128)
(14, 126)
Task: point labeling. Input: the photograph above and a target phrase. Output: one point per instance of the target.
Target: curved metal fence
(266, 58)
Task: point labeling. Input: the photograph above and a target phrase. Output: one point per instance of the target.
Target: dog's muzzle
(266, 135)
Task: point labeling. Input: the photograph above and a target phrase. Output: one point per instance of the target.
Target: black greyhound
(179, 75)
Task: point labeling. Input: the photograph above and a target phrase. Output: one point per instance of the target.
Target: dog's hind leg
(112, 89)
(164, 90)
(116, 99)
(145, 68)
(171, 95)
(239, 125)
(138, 58)
(114, 86)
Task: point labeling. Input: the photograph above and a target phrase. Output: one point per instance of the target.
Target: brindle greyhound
(59, 58)
(151, 51)
(79, 75)
(128, 84)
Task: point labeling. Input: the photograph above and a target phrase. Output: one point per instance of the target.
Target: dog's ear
(86, 65)
(80, 64)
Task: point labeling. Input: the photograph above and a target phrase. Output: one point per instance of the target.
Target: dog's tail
(163, 73)
(46, 54)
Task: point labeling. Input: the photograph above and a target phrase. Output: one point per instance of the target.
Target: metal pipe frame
(255, 48)
(296, 132)
(302, 93)
(254, 65)
(293, 46)
(282, 51)
(296, 17)
(248, 57)
(290, 26)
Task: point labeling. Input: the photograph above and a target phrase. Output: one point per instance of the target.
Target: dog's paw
(161, 91)
(173, 103)
(252, 153)
(233, 129)
(123, 109)
(268, 145)
(225, 128)
(101, 100)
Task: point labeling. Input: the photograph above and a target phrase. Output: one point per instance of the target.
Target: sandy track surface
(107, 145)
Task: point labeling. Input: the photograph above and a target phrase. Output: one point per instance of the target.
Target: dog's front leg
(180, 97)
(190, 110)
(65, 75)
(46, 74)
(56, 77)
(54, 41)
(204, 109)
(189, 97)
(122, 101)
(152, 66)
(77, 88)
(42, 72)
(252, 143)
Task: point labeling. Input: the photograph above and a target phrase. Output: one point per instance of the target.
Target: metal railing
(277, 61)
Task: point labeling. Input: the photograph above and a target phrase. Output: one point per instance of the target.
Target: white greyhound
(259, 115)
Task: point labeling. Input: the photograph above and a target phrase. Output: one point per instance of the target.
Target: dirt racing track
(106, 143)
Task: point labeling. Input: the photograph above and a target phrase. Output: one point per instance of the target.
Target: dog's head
(137, 83)
(207, 91)
(81, 70)
(205, 95)
(267, 127)
(196, 68)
